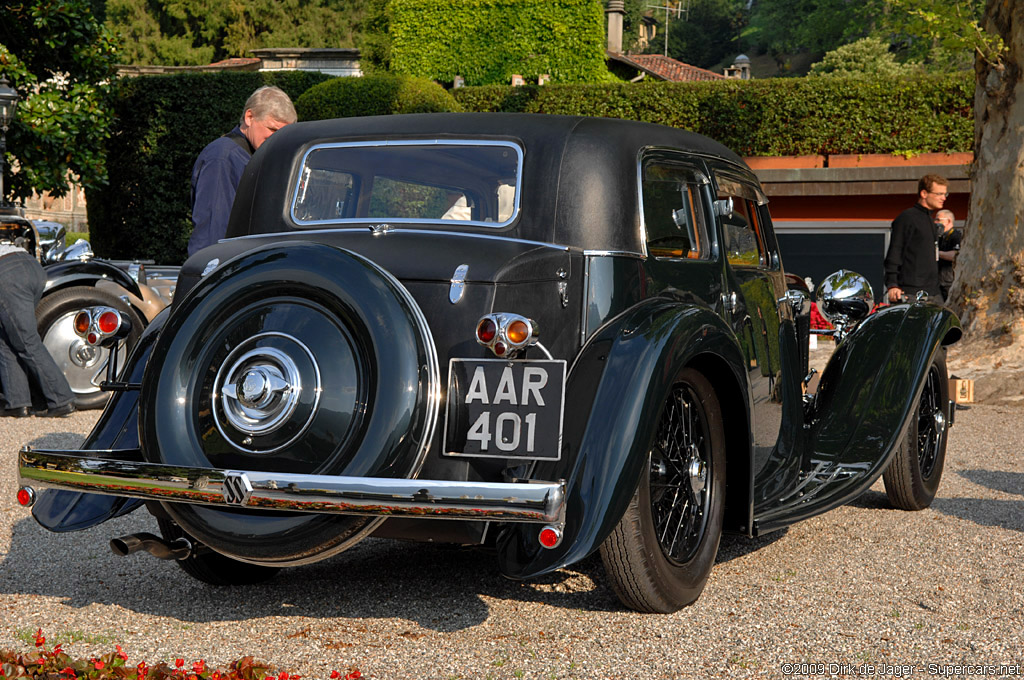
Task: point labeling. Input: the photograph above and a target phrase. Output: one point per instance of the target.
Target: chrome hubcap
(698, 472)
(259, 390)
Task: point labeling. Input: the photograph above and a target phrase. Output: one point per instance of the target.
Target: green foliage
(865, 57)
(373, 95)
(487, 41)
(945, 34)
(772, 117)
(162, 124)
(63, 120)
(788, 26)
(708, 32)
(179, 32)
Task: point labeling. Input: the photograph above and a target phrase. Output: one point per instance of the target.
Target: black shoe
(19, 412)
(57, 411)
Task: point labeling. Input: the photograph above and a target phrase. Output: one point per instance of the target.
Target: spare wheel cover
(298, 358)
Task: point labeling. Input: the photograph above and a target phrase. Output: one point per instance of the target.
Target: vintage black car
(549, 335)
(75, 278)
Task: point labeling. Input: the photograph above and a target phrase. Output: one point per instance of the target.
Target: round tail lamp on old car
(102, 325)
(82, 322)
(504, 333)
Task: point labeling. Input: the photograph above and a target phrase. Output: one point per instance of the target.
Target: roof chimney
(616, 10)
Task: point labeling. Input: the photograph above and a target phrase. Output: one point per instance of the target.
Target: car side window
(743, 224)
(674, 211)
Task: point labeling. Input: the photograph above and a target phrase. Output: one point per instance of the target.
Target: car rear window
(437, 182)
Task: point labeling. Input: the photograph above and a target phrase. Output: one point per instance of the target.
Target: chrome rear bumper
(113, 474)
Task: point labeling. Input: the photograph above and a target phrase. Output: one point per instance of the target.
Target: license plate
(499, 408)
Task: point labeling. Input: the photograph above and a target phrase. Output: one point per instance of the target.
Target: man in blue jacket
(219, 166)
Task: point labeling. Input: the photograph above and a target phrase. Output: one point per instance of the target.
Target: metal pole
(3, 152)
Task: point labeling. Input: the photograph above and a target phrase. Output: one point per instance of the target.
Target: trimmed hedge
(373, 95)
(161, 125)
(487, 41)
(773, 117)
(163, 122)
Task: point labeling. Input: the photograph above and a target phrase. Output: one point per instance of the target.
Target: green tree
(865, 57)
(56, 54)
(789, 26)
(180, 32)
(943, 35)
(708, 32)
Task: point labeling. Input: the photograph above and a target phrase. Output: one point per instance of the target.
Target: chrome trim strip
(614, 253)
(416, 142)
(394, 230)
(539, 502)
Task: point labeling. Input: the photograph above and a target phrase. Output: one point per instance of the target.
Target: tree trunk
(989, 288)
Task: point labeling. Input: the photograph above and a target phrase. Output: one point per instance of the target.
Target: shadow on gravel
(735, 545)
(997, 480)
(441, 588)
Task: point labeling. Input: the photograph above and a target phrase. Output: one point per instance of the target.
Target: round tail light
(26, 497)
(108, 322)
(550, 537)
(92, 338)
(518, 332)
(82, 322)
(486, 330)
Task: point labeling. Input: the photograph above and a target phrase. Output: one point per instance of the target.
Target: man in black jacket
(910, 262)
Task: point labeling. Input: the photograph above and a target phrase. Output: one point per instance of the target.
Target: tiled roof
(665, 68)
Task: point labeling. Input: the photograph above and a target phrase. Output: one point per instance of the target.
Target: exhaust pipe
(178, 549)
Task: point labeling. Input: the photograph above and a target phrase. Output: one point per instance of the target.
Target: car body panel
(584, 257)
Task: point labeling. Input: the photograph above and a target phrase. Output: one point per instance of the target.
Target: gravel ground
(863, 584)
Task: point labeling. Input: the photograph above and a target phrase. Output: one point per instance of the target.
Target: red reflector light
(499, 349)
(550, 537)
(486, 330)
(518, 332)
(108, 322)
(92, 338)
(82, 321)
(26, 496)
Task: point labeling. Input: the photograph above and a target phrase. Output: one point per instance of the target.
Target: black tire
(326, 320)
(214, 568)
(649, 569)
(84, 367)
(913, 476)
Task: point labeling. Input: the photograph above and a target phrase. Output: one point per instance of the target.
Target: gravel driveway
(863, 584)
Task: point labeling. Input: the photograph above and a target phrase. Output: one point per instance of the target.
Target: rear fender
(87, 273)
(614, 393)
(117, 428)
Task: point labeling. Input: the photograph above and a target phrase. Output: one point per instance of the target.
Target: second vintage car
(549, 335)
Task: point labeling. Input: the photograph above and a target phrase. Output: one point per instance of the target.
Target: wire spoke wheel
(660, 554)
(680, 465)
(913, 475)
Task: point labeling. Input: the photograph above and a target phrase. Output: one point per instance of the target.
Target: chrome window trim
(399, 230)
(413, 142)
(614, 253)
(702, 180)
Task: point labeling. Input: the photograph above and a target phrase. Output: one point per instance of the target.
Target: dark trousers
(23, 356)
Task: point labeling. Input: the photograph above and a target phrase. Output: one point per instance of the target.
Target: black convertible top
(579, 184)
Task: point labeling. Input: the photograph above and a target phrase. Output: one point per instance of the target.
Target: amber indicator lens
(518, 332)
(108, 322)
(486, 330)
(82, 321)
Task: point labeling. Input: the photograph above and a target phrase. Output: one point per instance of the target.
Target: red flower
(216, 676)
(98, 665)
(335, 675)
(69, 671)
(354, 675)
(40, 640)
(199, 667)
(179, 662)
(120, 653)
